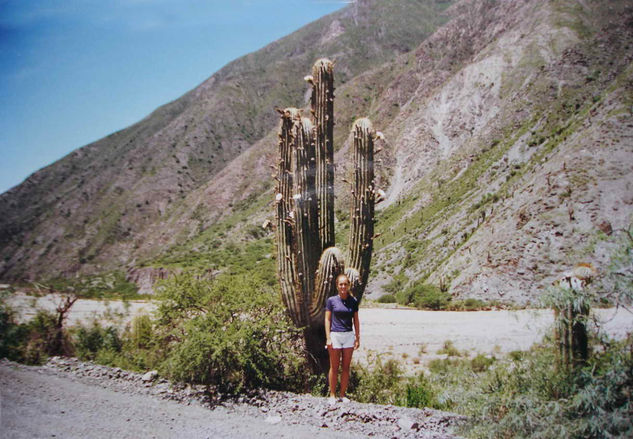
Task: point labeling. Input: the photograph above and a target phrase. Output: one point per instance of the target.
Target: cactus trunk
(323, 112)
(285, 254)
(363, 198)
(307, 245)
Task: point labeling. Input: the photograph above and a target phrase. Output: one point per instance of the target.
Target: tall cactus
(308, 262)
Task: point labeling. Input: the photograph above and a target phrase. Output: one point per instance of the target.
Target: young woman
(341, 313)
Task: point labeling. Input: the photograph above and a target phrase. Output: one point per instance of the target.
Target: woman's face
(342, 285)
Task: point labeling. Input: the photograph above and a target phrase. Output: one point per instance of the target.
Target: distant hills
(508, 153)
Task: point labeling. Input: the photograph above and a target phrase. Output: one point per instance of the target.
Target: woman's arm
(328, 323)
(356, 330)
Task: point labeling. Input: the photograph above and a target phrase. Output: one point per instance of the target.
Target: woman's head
(342, 284)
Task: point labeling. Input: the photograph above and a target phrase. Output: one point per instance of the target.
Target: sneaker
(331, 400)
(344, 400)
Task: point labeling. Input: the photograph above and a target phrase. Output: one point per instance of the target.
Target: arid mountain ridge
(508, 152)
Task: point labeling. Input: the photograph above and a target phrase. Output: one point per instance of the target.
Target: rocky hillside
(507, 160)
(129, 195)
(514, 148)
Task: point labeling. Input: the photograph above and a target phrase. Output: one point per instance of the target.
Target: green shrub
(89, 342)
(141, 334)
(231, 332)
(12, 335)
(443, 366)
(481, 363)
(44, 338)
(449, 349)
(395, 285)
(420, 393)
(533, 398)
(381, 383)
(470, 304)
(424, 296)
(387, 298)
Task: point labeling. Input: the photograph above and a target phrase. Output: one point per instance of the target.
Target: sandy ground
(415, 336)
(412, 336)
(84, 311)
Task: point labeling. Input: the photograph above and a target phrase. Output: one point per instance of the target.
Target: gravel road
(71, 399)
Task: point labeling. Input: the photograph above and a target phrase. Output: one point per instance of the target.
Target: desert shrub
(420, 393)
(469, 304)
(231, 332)
(387, 298)
(449, 349)
(44, 338)
(12, 334)
(107, 285)
(533, 398)
(481, 363)
(395, 285)
(141, 334)
(90, 341)
(424, 296)
(380, 383)
(442, 366)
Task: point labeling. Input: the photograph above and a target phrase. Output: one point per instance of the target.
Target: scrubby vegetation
(112, 285)
(231, 332)
(524, 395)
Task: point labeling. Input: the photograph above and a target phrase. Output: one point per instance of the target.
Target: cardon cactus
(308, 262)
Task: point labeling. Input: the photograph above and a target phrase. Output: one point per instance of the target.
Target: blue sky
(74, 71)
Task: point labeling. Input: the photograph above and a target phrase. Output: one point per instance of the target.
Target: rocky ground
(69, 398)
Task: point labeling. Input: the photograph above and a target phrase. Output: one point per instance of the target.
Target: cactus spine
(308, 262)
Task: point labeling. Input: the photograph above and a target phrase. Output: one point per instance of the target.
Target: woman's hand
(328, 342)
(356, 343)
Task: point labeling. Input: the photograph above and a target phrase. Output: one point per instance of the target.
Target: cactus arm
(322, 103)
(363, 199)
(304, 204)
(354, 282)
(285, 255)
(331, 265)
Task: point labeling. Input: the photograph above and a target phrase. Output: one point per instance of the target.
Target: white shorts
(342, 340)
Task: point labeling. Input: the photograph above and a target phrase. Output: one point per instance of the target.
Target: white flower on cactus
(380, 195)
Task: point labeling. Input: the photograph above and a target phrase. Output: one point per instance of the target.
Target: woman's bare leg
(347, 360)
(335, 359)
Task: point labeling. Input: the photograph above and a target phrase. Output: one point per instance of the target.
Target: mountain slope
(508, 151)
(94, 209)
(511, 166)
(507, 159)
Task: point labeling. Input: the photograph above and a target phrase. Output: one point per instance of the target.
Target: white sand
(415, 336)
(84, 311)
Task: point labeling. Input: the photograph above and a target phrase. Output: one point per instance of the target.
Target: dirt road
(38, 404)
(71, 399)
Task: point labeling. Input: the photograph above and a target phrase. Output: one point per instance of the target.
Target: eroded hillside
(127, 197)
(507, 159)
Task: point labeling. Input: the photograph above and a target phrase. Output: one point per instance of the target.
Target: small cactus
(308, 262)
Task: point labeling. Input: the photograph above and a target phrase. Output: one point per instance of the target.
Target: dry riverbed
(412, 336)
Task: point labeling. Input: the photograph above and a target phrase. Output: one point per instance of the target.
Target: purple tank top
(342, 312)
